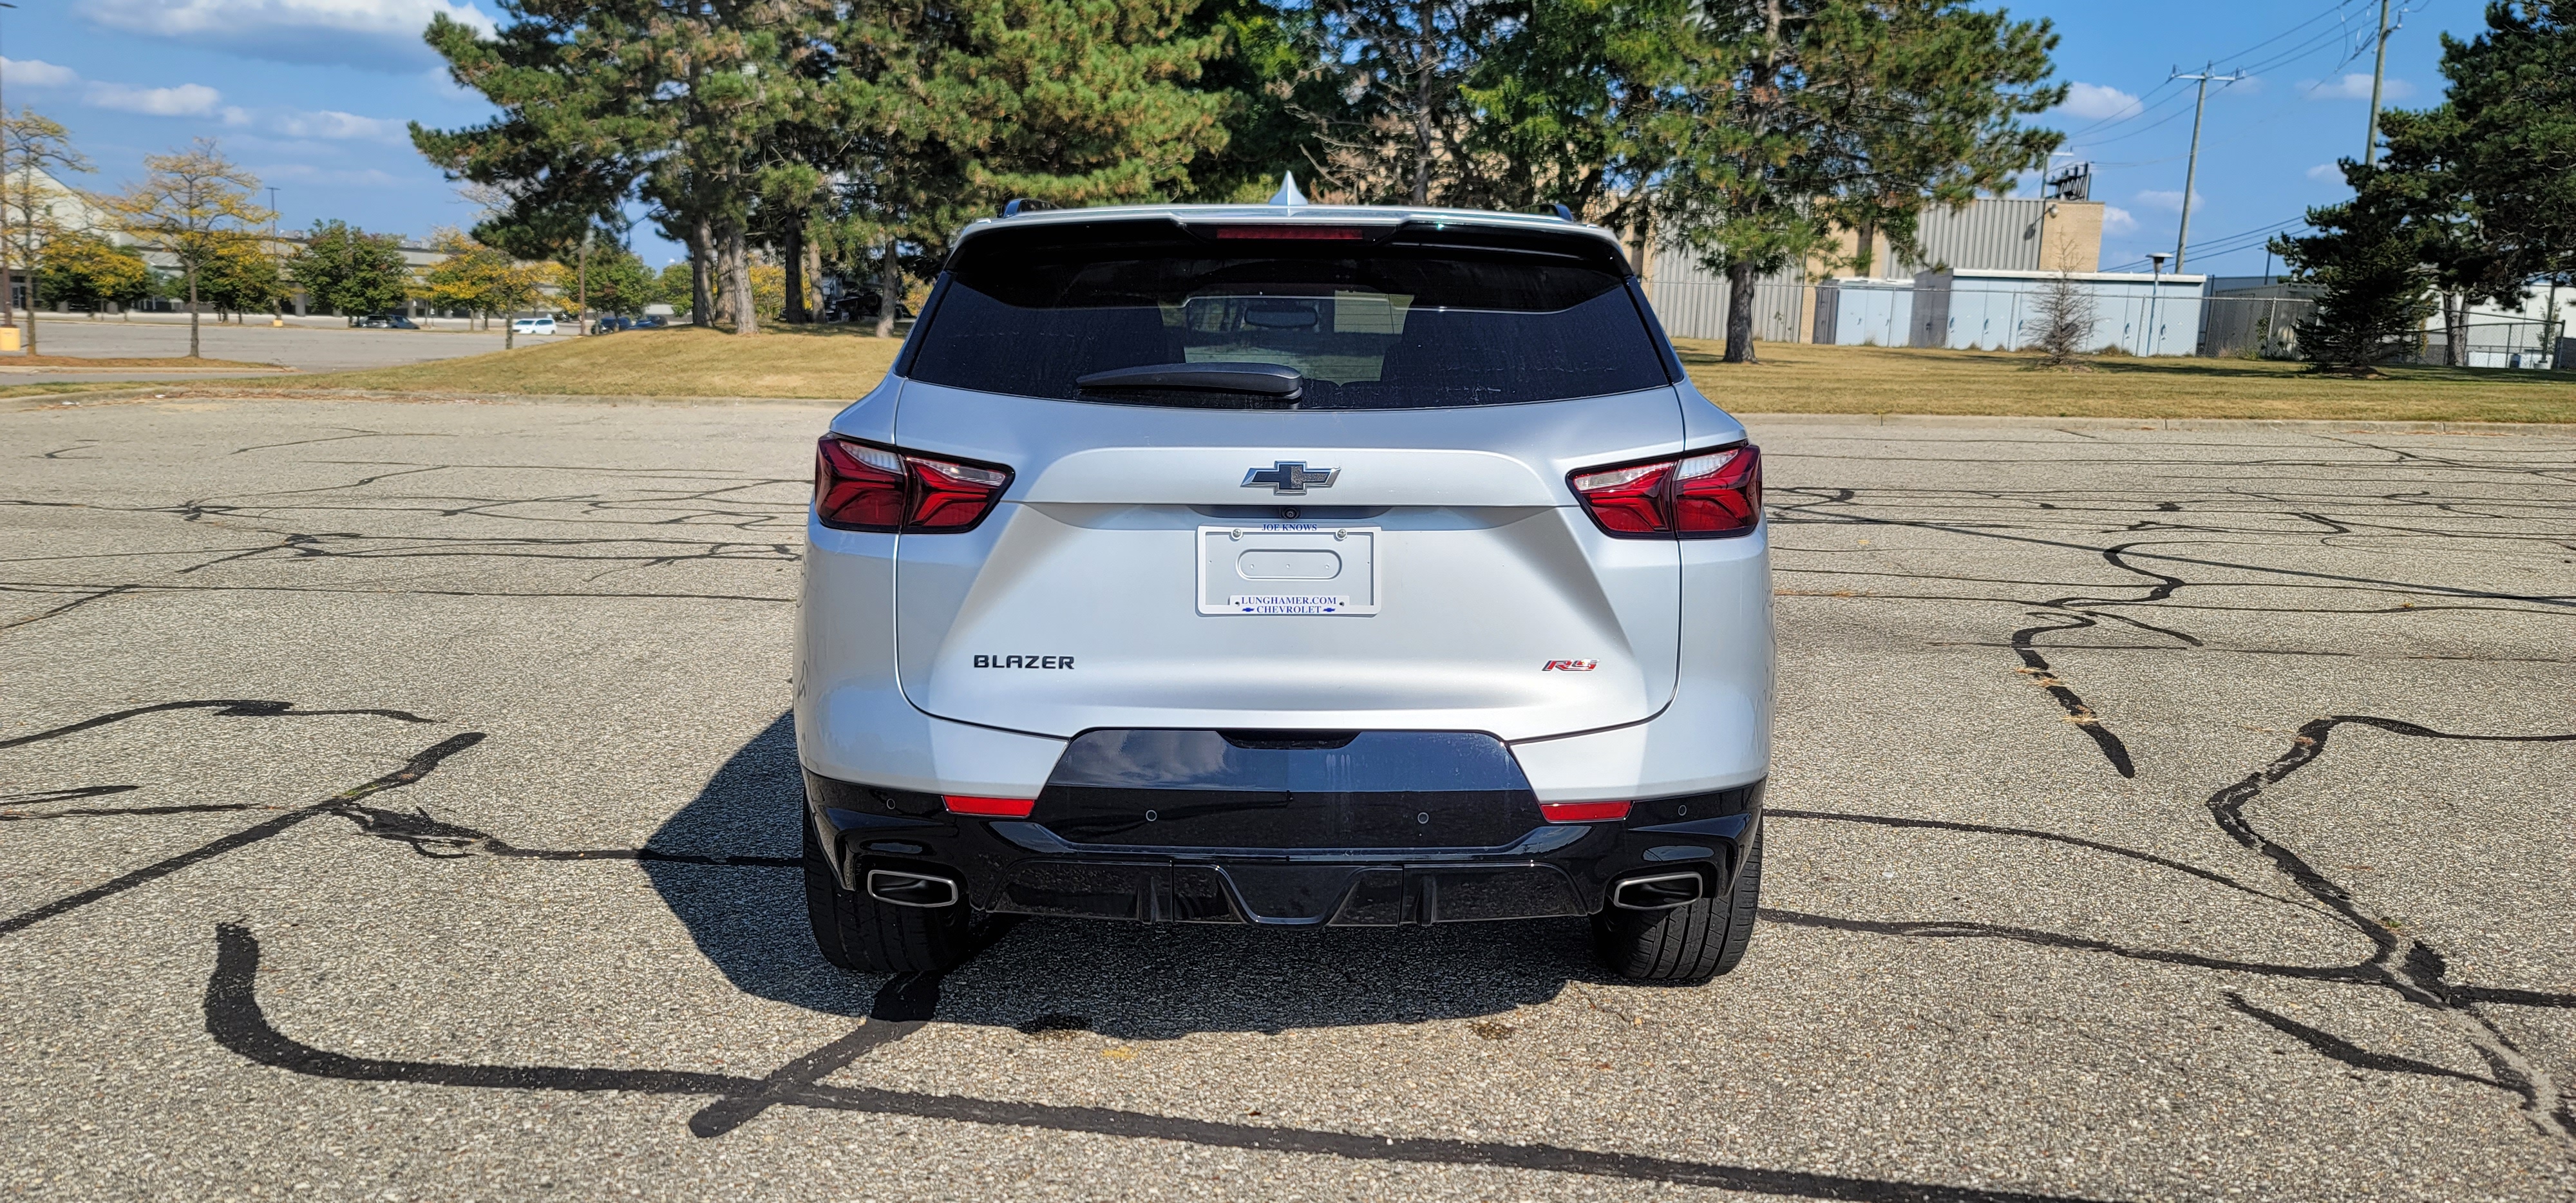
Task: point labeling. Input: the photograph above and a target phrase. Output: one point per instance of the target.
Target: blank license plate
(1287, 568)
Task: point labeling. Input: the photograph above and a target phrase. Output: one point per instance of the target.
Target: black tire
(858, 932)
(1690, 943)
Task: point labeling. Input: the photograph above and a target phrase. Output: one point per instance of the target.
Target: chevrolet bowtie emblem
(1290, 476)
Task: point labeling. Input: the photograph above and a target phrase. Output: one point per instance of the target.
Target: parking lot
(306, 344)
(400, 806)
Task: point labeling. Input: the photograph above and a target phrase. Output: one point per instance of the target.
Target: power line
(2227, 244)
(2144, 106)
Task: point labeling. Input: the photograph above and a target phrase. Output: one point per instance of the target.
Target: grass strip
(838, 364)
(1802, 379)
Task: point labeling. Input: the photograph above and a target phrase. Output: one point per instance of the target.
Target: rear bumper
(1018, 867)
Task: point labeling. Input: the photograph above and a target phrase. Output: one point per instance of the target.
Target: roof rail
(1560, 212)
(1021, 204)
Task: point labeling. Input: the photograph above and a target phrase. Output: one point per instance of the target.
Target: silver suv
(1290, 565)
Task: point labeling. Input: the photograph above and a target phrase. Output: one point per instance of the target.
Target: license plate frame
(1356, 586)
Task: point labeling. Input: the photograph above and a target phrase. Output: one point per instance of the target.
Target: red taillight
(1583, 812)
(859, 486)
(1703, 495)
(1003, 808)
(1292, 233)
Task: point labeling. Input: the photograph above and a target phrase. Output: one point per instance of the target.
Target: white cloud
(334, 125)
(185, 100)
(307, 173)
(2170, 199)
(305, 130)
(2098, 102)
(378, 35)
(36, 73)
(182, 100)
(2116, 220)
(2355, 86)
(2327, 171)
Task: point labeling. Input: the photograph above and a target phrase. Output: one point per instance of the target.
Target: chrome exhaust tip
(911, 889)
(1660, 892)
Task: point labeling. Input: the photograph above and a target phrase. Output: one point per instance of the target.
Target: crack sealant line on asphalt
(236, 1022)
(2405, 965)
(222, 708)
(420, 765)
(1952, 528)
(2411, 968)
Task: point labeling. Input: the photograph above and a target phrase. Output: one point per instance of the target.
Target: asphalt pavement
(400, 807)
(306, 346)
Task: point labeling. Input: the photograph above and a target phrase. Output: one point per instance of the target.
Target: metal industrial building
(1972, 287)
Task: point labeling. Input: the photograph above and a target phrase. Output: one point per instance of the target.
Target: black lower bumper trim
(1286, 894)
(1551, 871)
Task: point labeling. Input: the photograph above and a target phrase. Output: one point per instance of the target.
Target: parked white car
(532, 325)
(1343, 566)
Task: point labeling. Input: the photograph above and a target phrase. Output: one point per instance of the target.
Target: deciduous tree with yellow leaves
(190, 204)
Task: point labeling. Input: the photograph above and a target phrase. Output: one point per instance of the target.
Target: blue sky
(2268, 142)
(312, 95)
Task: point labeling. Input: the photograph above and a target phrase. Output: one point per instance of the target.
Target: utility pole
(2378, 74)
(2191, 172)
(581, 285)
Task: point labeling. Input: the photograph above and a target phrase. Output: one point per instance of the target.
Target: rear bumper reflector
(1583, 812)
(1013, 808)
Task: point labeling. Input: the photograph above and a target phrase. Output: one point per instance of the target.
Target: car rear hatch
(1392, 547)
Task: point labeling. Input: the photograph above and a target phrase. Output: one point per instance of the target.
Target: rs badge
(1570, 666)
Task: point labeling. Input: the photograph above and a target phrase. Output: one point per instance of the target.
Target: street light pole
(276, 296)
(2155, 292)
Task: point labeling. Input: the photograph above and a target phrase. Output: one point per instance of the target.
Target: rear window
(1388, 325)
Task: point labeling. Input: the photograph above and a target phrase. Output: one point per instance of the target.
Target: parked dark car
(862, 307)
(384, 321)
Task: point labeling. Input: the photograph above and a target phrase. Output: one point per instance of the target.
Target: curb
(2312, 425)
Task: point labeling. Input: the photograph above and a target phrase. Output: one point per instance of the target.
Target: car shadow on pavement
(1129, 981)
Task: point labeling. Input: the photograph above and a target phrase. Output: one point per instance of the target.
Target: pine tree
(675, 101)
(2507, 133)
(2377, 287)
(1401, 68)
(1813, 116)
(1269, 75)
(2483, 178)
(1579, 105)
(931, 118)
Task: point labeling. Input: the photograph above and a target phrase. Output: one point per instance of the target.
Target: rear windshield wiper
(1270, 382)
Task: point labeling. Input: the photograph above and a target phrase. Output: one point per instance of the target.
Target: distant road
(317, 345)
